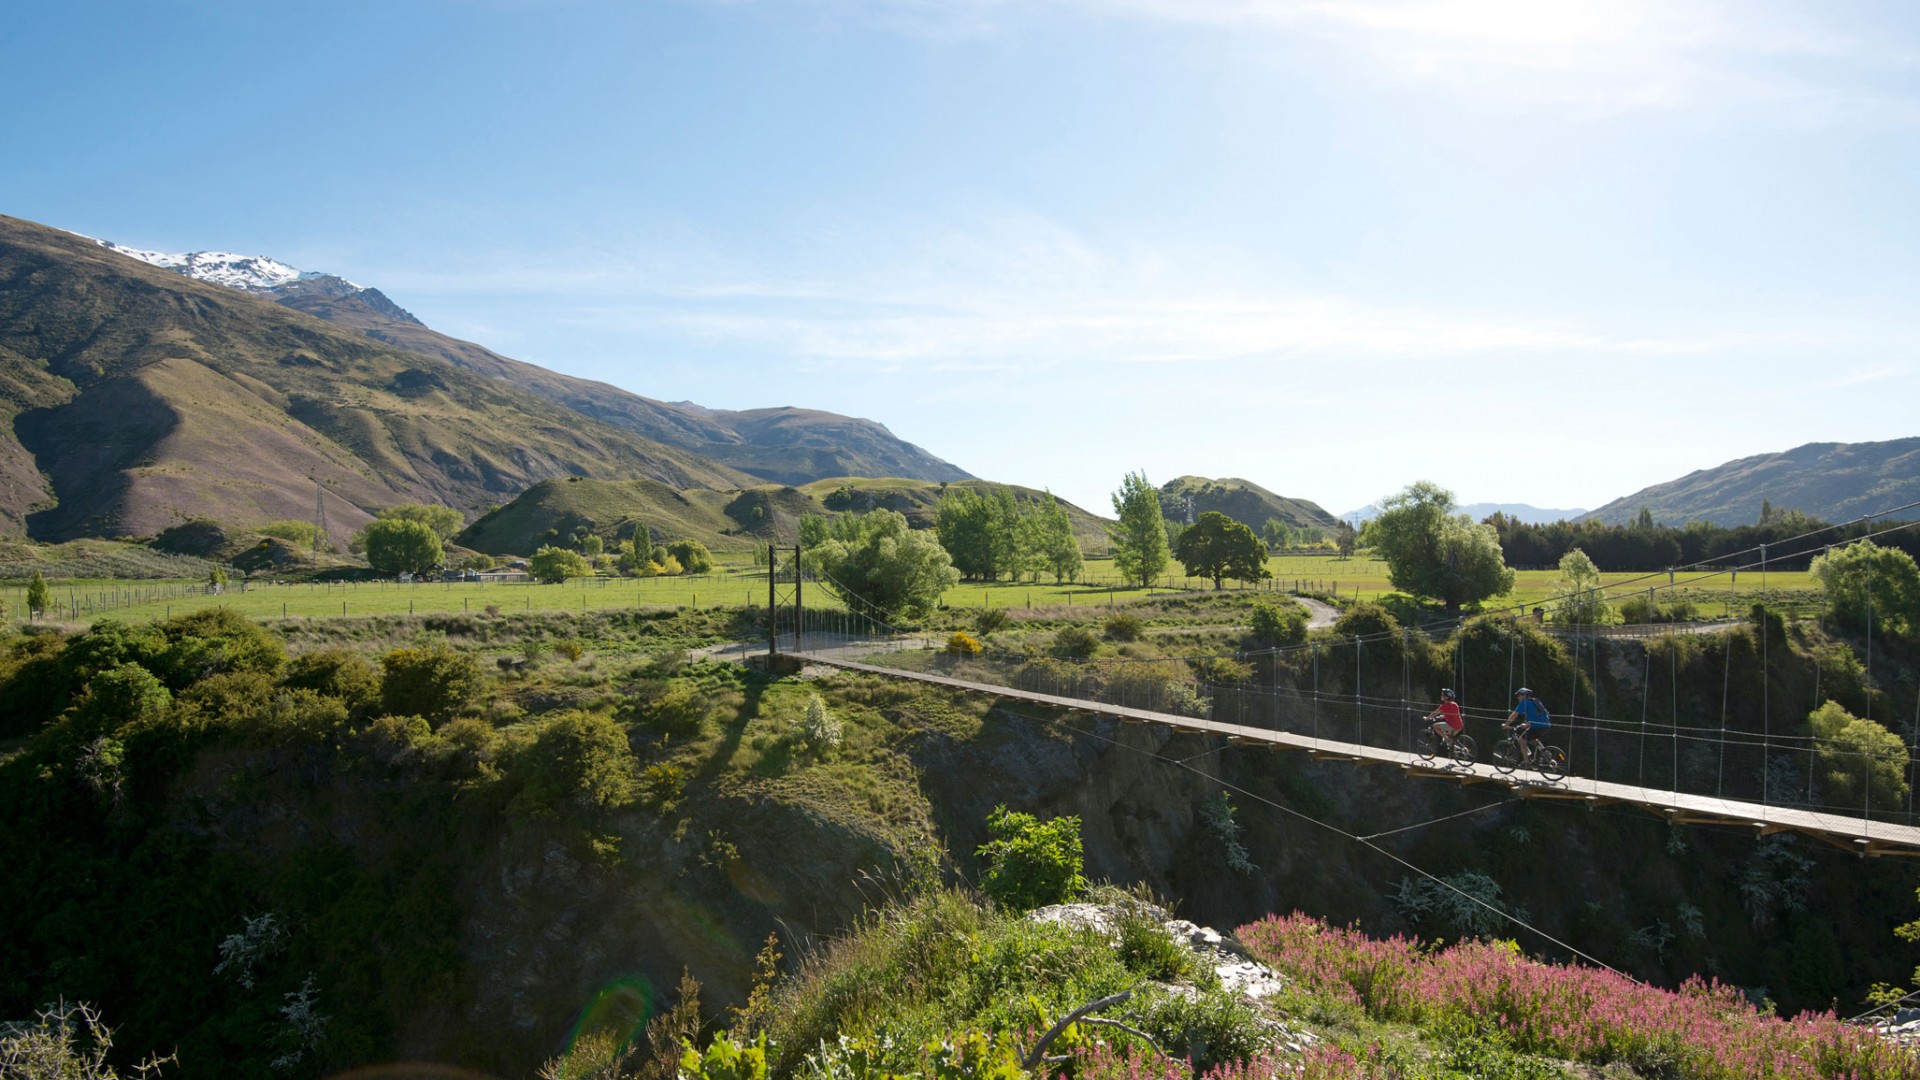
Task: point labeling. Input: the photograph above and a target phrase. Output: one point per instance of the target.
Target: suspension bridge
(1863, 835)
(1752, 770)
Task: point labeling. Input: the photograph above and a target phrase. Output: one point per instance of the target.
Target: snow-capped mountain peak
(249, 273)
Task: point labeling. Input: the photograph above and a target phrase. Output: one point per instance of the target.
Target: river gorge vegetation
(496, 839)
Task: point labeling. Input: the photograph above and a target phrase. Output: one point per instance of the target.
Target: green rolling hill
(551, 511)
(1242, 500)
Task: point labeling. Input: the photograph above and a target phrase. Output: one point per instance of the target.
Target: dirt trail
(1319, 613)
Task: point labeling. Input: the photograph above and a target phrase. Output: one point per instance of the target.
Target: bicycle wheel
(1424, 744)
(1552, 762)
(1506, 756)
(1463, 749)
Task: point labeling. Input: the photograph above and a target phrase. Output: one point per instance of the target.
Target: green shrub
(472, 744)
(1639, 609)
(1223, 669)
(724, 1060)
(1463, 905)
(337, 673)
(578, 758)
(674, 711)
(214, 640)
(434, 682)
(664, 782)
(692, 556)
(122, 695)
(1146, 948)
(1075, 642)
(1048, 675)
(300, 534)
(1124, 627)
(1163, 686)
(989, 620)
(108, 643)
(1279, 624)
(552, 565)
(34, 683)
(1368, 620)
(1857, 759)
(294, 716)
(1210, 1028)
(893, 961)
(394, 739)
(230, 697)
(1031, 863)
(1217, 811)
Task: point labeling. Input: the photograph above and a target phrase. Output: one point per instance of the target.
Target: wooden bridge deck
(1861, 835)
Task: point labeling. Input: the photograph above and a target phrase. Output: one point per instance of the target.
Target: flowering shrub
(1704, 1029)
(963, 644)
(819, 727)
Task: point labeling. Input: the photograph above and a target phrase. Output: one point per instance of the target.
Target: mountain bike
(1460, 748)
(1511, 753)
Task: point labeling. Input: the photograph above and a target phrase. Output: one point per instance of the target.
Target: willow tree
(1436, 553)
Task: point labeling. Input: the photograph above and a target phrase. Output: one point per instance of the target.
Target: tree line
(1645, 546)
(992, 534)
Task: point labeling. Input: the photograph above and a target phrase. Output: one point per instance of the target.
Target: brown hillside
(785, 445)
(140, 398)
(1829, 481)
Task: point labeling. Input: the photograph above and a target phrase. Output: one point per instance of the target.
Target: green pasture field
(83, 602)
(740, 585)
(140, 601)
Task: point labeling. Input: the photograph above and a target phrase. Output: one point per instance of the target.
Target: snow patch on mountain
(248, 273)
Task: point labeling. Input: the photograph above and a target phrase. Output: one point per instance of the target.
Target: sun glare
(1503, 23)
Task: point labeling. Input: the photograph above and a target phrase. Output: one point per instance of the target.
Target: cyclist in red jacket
(1446, 718)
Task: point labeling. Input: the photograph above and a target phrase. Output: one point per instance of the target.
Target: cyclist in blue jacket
(1530, 712)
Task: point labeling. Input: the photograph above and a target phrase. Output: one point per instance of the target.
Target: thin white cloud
(1599, 55)
(1018, 292)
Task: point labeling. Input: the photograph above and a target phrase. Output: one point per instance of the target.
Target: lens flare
(613, 1018)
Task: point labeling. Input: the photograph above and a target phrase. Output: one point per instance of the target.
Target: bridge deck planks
(1861, 835)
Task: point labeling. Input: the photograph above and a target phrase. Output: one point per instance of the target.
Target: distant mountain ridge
(133, 397)
(1532, 515)
(784, 445)
(1831, 481)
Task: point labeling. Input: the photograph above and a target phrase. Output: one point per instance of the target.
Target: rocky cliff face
(556, 929)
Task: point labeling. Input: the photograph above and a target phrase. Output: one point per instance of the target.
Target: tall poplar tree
(1140, 536)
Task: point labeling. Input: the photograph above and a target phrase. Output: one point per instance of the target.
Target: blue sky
(1537, 252)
